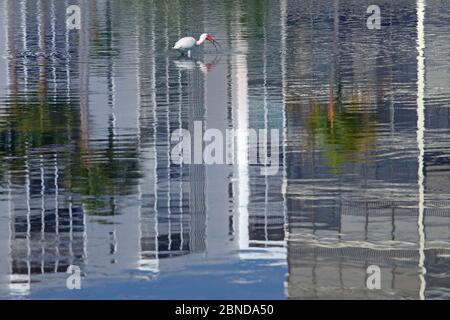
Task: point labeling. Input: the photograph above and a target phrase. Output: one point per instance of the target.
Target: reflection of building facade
(258, 105)
(173, 220)
(347, 214)
(436, 138)
(47, 227)
(48, 218)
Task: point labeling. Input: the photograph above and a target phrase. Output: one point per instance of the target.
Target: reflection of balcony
(266, 221)
(47, 227)
(339, 272)
(321, 271)
(330, 261)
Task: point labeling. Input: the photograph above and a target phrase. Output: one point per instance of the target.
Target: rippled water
(86, 177)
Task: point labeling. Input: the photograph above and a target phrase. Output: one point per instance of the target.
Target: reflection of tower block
(266, 210)
(173, 222)
(45, 31)
(161, 239)
(333, 244)
(340, 272)
(176, 223)
(47, 232)
(173, 231)
(332, 263)
(437, 257)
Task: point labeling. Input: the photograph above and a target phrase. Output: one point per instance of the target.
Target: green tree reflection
(345, 130)
(31, 129)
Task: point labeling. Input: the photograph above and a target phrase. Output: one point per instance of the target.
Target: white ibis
(186, 44)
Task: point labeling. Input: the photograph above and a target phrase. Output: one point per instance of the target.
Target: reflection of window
(175, 222)
(47, 232)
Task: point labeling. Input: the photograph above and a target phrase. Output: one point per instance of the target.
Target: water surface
(86, 178)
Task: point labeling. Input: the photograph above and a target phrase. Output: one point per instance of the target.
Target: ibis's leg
(189, 53)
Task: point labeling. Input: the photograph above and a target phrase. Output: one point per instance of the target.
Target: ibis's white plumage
(185, 44)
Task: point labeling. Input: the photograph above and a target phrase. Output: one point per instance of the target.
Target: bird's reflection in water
(190, 64)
